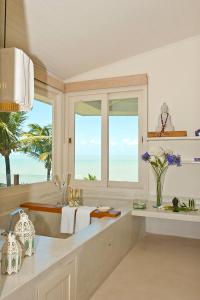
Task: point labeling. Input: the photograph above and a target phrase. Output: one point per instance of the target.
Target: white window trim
(141, 93)
(54, 97)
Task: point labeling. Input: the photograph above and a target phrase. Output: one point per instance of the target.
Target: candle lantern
(11, 258)
(25, 231)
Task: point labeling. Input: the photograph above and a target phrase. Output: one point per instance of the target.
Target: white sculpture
(164, 120)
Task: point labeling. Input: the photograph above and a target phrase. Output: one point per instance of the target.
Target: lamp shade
(16, 80)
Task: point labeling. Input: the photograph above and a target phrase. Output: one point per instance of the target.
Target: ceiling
(69, 37)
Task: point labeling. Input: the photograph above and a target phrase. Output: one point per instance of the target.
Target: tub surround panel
(117, 236)
(99, 257)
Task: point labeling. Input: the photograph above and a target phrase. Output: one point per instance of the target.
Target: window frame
(47, 94)
(139, 92)
(54, 97)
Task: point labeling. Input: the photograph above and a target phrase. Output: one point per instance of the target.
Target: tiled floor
(158, 268)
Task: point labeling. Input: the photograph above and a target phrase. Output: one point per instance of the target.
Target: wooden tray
(55, 209)
(152, 134)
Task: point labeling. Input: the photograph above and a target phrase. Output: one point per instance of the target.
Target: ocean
(30, 170)
(121, 168)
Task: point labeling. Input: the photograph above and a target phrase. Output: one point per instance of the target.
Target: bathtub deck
(158, 268)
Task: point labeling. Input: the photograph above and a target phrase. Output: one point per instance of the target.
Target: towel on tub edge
(67, 219)
(83, 218)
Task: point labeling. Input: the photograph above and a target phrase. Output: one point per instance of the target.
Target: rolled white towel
(67, 219)
(83, 217)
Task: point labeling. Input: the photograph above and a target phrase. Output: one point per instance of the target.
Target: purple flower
(170, 159)
(173, 159)
(178, 160)
(146, 156)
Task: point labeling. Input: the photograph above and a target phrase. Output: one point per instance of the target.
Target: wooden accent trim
(42, 75)
(9, 107)
(55, 209)
(42, 207)
(153, 134)
(105, 83)
(108, 214)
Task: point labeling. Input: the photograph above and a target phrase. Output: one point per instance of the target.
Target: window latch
(70, 140)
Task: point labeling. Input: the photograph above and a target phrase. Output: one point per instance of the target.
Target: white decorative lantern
(25, 231)
(11, 258)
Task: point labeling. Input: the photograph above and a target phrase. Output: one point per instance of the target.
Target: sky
(21, 163)
(123, 135)
(41, 113)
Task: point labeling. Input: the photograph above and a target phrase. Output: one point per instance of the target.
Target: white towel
(83, 217)
(67, 219)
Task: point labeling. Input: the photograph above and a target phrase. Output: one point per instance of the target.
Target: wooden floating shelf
(156, 134)
(53, 208)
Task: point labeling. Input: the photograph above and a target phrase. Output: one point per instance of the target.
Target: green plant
(90, 177)
(10, 132)
(37, 143)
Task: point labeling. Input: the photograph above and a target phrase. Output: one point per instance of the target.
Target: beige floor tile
(158, 268)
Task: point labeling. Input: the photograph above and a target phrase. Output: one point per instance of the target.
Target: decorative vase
(159, 180)
(74, 197)
(11, 258)
(25, 232)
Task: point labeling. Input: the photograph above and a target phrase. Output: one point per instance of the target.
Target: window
(88, 140)
(105, 139)
(26, 145)
(123, 140)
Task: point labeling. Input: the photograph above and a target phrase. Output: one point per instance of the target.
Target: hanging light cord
(5, 21)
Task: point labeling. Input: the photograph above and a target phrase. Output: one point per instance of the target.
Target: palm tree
(10, 132)
(37, 143)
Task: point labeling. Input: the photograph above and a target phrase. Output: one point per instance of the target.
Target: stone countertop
(50, 251)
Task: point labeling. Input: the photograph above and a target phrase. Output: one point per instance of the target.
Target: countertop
(160, 213)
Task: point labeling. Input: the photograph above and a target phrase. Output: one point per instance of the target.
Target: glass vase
(159, 180)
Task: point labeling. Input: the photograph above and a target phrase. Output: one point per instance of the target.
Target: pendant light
(16, 77)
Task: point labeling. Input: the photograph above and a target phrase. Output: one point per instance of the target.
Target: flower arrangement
(160, 160)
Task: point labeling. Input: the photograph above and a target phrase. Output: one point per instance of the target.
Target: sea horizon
(30, 170)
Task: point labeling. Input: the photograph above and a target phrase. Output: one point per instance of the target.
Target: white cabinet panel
(59, 284)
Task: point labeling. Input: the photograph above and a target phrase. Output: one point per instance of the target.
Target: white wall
(174, 76)
(173, 73)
